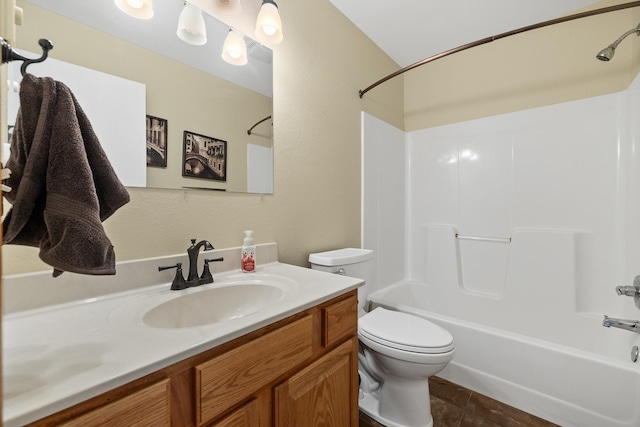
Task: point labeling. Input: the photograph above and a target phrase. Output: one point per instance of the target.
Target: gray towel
(63, 184)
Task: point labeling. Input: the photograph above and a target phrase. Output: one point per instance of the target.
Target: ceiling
(411, 30)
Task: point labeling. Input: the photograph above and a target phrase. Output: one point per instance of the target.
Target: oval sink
(212, 306)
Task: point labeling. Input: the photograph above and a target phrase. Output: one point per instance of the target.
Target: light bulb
(268, 24)
(226, 7)
(141, 9)
(234, 50)
(269, 29)
(136, 4)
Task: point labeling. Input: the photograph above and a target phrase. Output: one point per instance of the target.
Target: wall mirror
(193, 97)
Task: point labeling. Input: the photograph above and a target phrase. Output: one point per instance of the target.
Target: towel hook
(8, 54)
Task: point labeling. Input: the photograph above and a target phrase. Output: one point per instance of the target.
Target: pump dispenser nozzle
(248, 238)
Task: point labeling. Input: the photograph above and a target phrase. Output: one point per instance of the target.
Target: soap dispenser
(248, 257)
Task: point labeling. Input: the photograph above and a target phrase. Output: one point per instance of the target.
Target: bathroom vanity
(303, 366)
(290, 362)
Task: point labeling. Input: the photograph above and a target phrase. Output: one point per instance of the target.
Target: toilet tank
(351, 262)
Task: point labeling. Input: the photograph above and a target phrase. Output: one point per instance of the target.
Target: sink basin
(212, 306)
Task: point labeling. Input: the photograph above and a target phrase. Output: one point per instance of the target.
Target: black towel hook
(8, 54)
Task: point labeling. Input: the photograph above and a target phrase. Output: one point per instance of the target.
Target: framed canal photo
(204, 157)
(156, 142)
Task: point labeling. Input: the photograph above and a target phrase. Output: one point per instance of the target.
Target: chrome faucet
(193, 251)
(627, 325)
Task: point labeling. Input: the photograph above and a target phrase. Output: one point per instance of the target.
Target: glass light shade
(191, 28)
(268, 25)
(234, 50)
(226, 7)
(142, 9)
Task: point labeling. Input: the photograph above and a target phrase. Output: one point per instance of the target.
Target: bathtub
(567, 386)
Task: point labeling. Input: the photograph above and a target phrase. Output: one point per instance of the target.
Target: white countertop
(59, 355)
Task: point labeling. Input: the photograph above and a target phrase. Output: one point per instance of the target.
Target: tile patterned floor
(455, 406)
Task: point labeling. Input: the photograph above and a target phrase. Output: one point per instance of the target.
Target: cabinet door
(234, 376)
(246, 416)
(325, 394)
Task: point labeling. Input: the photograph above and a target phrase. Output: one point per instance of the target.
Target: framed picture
(204, 157)
(156, 142)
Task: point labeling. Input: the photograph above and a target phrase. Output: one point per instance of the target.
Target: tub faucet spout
(627, 325)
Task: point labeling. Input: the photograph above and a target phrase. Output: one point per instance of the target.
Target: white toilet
(398, 351)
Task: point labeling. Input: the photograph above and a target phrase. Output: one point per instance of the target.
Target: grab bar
(485, 239)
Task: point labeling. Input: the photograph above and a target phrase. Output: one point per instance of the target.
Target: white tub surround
(523, 224)
(565, 385)
(71, 338)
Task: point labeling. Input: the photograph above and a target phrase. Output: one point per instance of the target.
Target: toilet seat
(403, 331)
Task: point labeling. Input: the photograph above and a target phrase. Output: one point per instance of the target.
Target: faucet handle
(178, 281)
(631, 291)
(206, 276)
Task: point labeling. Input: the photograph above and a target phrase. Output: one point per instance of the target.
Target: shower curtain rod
(252, 127)
(501, 36)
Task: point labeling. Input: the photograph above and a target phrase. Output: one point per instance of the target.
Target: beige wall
(318, 70)
(541, 67)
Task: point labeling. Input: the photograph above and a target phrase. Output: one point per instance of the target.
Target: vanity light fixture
(141, 9)
(268, 24)
(234, 50)
(226, 7)
(191, 28)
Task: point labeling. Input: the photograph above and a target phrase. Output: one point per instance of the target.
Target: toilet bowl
(398, 352)
(401, 351)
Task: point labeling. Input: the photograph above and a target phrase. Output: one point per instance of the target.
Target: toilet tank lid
(341, 257)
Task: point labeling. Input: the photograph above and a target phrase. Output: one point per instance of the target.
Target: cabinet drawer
(234, 376)
(147, 407)
(339, 320)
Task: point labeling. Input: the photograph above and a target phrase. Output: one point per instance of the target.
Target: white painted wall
(259, 169)
(383, 202)
(562, 182)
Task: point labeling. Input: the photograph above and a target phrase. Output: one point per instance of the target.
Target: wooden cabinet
(228, 379)
(247, 415)
(300, 371)
(147, 407)
(324, 393)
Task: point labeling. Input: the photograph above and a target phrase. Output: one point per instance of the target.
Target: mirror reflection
(208, 122)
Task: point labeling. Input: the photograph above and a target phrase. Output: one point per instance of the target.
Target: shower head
(607, 53)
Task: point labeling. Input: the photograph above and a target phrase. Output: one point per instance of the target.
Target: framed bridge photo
(204, 157)
(156, 141)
